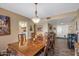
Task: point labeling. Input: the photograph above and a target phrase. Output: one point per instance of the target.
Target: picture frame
(4, 25)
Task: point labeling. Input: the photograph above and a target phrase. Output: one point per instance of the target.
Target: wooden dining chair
(50, 44)
(76, 48)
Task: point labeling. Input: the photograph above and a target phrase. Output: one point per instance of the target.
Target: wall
(74, 28)
(44, 25)
(29, 32)
(74, 25)
(62, 30)
(14, 20)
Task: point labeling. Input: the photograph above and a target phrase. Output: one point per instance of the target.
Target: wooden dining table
(31, 49)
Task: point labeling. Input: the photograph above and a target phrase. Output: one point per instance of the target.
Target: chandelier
(36, 19)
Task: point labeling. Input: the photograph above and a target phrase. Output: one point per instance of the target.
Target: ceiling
(44, 9)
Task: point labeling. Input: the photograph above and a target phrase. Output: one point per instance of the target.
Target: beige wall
(62, 30)
(13, 37)
(72, 27)
(44, 25)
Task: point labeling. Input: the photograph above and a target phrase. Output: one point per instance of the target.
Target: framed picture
(4, 25)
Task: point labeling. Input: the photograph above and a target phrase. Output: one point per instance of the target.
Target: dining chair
(50, 44)
(76, 49)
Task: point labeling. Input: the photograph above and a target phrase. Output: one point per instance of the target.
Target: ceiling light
(36, 19)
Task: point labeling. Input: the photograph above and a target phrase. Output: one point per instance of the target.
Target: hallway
(61, 48)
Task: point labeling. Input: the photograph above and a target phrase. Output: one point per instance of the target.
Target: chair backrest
(50, 43)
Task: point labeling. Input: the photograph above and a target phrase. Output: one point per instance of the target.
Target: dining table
(30, 49)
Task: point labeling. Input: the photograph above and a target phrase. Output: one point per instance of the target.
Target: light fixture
(36, 19)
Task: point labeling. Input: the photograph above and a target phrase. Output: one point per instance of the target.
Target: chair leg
(45, 51)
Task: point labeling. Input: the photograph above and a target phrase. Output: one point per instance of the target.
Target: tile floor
(61, 49)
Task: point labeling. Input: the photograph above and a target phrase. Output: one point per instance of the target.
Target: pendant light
(36, 19)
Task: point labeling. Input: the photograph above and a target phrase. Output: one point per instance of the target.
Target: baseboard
(61, 37)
